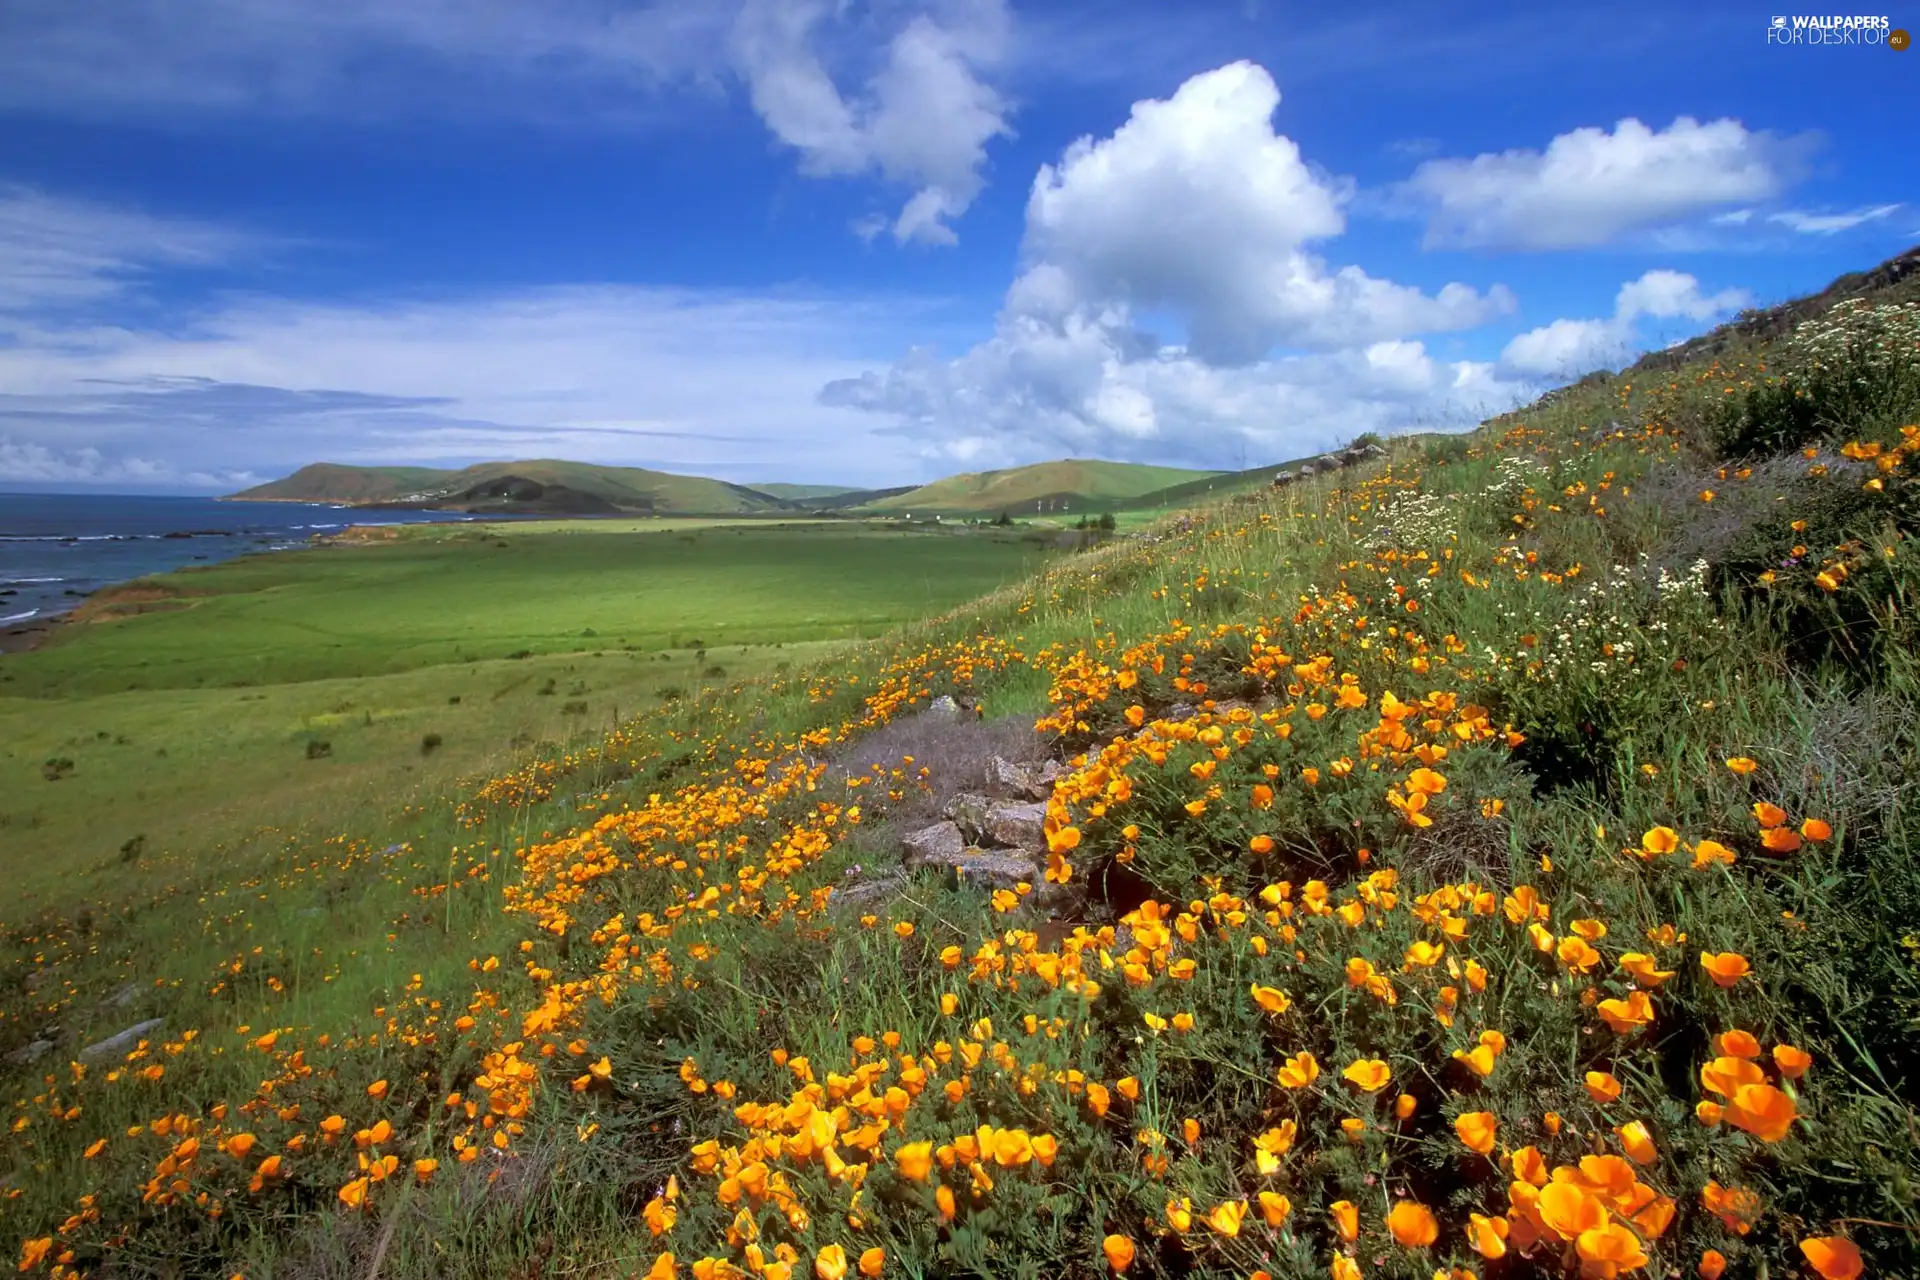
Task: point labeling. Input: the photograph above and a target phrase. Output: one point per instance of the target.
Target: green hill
(803, 492)
(540, 485)
(1071, 484)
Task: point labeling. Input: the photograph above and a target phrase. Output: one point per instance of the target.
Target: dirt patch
(111, 604)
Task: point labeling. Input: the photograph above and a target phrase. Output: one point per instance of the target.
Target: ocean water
(58, 548)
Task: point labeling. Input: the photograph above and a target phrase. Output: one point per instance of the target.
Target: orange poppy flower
(1713, 1265)
(1792, 1062)
(1226, 1218)
(1119, 1251)
(1816, 830)
(830, 1263)
(1478, 1129)
(1644, 969)
(1272, 999)
(873, 1262)
(1274, 1208)
(1834, 1257)
(1738, 1044)
(1370, 1074)
(1610, 1249)
(1637, 1142)
(1781, 839)
(1346, 1219)
(1725, 967)
(1710, 853)
(1660, 840)
(1530, 1166)
(1487, 1236)
(1769, 815)
(1300, 1071)
(1413, 1225)
(1627, 1015)
(1726, 1074)
(914, 1161)
(1602, 1086)
(1742, 765)
(1570, 1209)
(1763, 1111)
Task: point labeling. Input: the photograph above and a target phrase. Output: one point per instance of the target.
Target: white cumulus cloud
(1592, 186)
(1196, 209)
(1568, 348)
(923, 119)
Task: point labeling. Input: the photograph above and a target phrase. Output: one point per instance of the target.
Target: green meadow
(335, 685)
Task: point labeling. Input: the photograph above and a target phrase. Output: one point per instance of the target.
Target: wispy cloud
(904, 93)
(644, 377)
(1826, 224)
(56, 251)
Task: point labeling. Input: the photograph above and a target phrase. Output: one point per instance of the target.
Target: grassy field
(1501, 861)
(458, 595)
(192, 727)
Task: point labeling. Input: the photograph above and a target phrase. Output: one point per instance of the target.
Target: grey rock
(1007, 779)
(122, 996)
(990, 868)
(944, 707)
(1180, 711)
(1018, 825)
(866, 892)
(969, 813)
(941, 840)
(28, 1054)
(121, 1043)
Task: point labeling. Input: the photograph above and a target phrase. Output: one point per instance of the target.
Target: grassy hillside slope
(1499, 861)
(794, 492)
(1080, 482)
(578, 486)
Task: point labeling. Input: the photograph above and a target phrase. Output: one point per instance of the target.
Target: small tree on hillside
(1107, 522)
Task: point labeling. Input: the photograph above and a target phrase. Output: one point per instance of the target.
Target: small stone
(868, 891)
(944, 707)
(991, 868)
(1019, 825)
(969, 812)
(932, 844)
(123, 995)
(119, 1044)
(28, 1054)
(1007, 779)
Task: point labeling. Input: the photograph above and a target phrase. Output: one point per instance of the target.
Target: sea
(58, 548)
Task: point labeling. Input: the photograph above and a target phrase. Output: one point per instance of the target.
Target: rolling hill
(543, 485)
(808, 493)
(1071, 484)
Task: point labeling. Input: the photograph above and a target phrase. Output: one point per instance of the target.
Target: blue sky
(879, 241)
